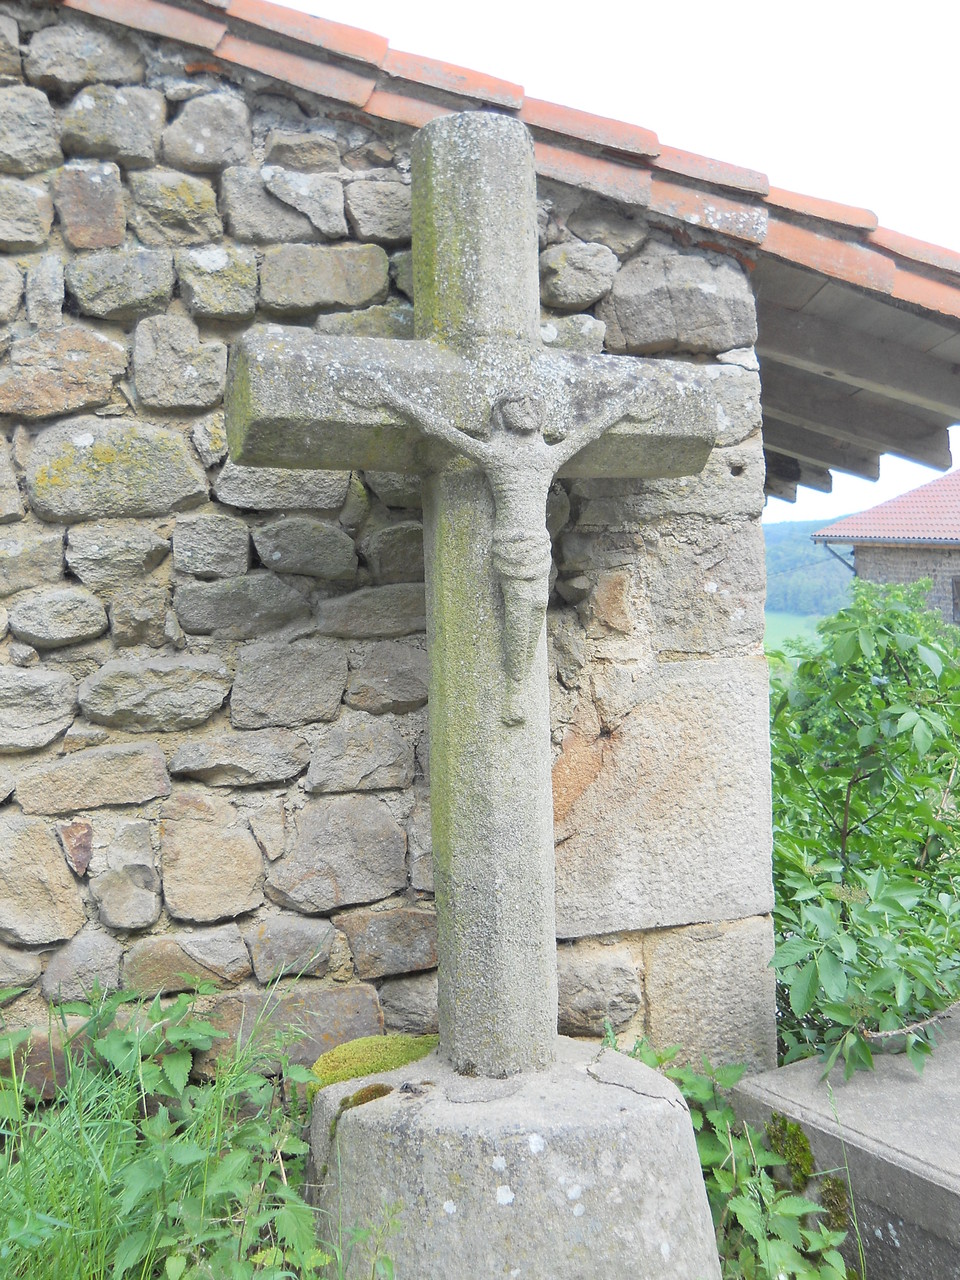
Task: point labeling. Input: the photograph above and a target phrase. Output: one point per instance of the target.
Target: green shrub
(865, 738)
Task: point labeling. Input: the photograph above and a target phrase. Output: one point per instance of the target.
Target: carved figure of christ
(488, 418)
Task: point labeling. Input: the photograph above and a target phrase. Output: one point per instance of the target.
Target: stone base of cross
(488, 418)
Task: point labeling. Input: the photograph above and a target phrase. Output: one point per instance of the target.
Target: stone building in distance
(213, 677)
(916, 535)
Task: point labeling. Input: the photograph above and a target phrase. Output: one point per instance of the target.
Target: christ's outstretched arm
(578, 438)
(366, 391)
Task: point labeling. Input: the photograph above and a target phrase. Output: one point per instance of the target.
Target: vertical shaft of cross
(476, 283)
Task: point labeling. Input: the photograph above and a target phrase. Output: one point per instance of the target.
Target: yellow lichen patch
(369, 1055)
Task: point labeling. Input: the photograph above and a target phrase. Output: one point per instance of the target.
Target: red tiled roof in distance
(350, 42)
(597, 129)
(444, 75)
(930, 514)
(716, 172)
(159, 19)
(845, 215)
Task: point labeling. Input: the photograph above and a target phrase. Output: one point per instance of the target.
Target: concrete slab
(899, 1133)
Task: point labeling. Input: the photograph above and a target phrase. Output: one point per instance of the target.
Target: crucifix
(489, 418)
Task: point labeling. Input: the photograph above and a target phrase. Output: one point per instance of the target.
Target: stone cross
(489, 418)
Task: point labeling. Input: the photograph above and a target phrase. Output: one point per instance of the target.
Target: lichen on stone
(369, 1055)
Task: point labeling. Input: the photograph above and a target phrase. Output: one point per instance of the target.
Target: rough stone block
(410, 1004)
(605, 222)
(90, 779)
(574, 275)
(59, 371)
(346, 850)
(249, 759)
(121, 284)
(44, 292)
(209, 438)
(110, 554)
(420, 841)
(28, 131)
(316, 196)
(572, 333)
(30, 557)
(26, 215)
(39, 898)
(254, 216)
(306, 545)
(211, 546)
(36, 706)
(360, 753)
(128, 894)
(172, 208)
(393, 678)
(177, 961)
(173, 369)
(710, 989)
(392, 320)
(11, 503)
(91, 468)
(66, 55)
(77, 840)
(596, 982)
(123, 125)
(91, 958)
(310, 152)
(218, 282)
(738, 401)
(238, 608)
(279, 488)
(678, 800)
(288, 684)
(88, 198)
(394, 553)
(66, 616)
(10, 72)
(210, 132)
(395, 490)
(401, 271)
(679, 302)
(322, 1016)
(18, 969)
(374, 612)
(204, 842)
(379, 211)
(283, 944)
(139, 617)
(296, 280)
(157, 695)
(392, 940)
(11, 290)
(584, 1169)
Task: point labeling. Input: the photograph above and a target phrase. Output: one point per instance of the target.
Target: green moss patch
(368, 1056)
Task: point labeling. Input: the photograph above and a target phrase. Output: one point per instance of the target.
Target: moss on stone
(369, 1055)
(834, 1197)
(788, 1140)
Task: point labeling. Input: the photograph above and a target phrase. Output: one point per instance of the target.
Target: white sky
(855, 103)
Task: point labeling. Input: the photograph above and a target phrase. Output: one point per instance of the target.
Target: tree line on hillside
(802, 576)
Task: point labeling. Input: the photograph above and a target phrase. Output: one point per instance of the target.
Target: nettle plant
(865, 732)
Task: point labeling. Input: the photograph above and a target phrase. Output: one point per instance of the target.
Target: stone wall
(213, 679)
(909, 564)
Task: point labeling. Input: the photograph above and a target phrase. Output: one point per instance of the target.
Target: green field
(784, 626)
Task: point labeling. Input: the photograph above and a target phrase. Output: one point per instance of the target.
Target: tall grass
(134, 1171)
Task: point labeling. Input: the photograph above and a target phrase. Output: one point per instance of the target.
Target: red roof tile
(930, 514)
(739, 219)
(618, 181)
(824, 210)
(444, 75)
(597, 129)
(403, 109)
(833, 256)
(932, 255)
(158, 19)
(350, 42)
(716, 172)
(307, 73)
